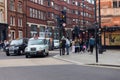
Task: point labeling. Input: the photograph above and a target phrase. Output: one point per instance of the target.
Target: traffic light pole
(59, 27)
(60, 39)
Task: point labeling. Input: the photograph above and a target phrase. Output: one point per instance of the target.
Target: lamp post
(99, 19)
(96, 47)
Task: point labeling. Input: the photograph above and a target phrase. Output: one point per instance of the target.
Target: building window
(20, 34)
(52, 4)
(41, 2)
(36, 13)
(68, 1)
(39, 13)
(12, 6)
(42, 15)
(20, 22)
(116, 4)
(31, 12)
(1, 16)
(73, 2)
(12, 21)
(12, 33)
(19, 6)
(36, 1)
(49, 3)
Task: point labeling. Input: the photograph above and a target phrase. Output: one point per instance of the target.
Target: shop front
(111, 38)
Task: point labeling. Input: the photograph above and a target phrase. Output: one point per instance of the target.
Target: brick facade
(16, 10)
(39, 16)
(110, 22)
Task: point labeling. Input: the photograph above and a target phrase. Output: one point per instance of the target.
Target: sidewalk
(108, 58)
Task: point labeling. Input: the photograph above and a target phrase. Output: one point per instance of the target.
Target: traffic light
(63, 16)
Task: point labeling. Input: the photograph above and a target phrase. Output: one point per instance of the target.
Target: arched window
(19, 6)
(12, 6)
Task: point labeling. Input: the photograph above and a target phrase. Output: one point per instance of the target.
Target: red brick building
(16, 18)
(110, 22)
(28, 17)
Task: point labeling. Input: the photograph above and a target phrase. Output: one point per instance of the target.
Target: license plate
(11, 51)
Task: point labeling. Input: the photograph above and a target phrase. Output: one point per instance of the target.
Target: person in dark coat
(91, 43)
(63, 45)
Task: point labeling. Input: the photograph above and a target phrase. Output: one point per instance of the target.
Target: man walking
(91, 43)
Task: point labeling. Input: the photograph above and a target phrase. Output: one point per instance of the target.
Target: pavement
(108, 58)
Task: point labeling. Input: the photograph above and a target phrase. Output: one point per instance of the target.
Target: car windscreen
(16, 42)
(36, 42)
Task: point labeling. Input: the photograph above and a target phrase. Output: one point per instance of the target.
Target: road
(49, 68)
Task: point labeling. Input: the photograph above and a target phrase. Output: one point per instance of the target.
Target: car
(16, 47)
(37, 47)
(56, 44)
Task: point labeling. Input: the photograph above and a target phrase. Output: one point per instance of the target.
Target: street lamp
(96, 47)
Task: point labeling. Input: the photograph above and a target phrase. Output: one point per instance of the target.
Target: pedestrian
(77, 45)
(6, 44)
(84, 47)
(63, 45)
(91, 43)
(81, 45)
(67, 45)
(73, 46)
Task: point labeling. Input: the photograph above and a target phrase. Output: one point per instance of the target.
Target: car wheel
(27, 56)
(7, 54)
(44, 54)
(47, 54)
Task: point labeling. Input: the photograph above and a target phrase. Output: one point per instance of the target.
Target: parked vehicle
(56, 44)
(37, 47)
(16, 47)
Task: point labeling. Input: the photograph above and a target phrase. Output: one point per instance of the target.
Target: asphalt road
(48, 68)
(58, 72)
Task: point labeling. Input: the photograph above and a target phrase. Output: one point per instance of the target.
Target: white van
(37, 47)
